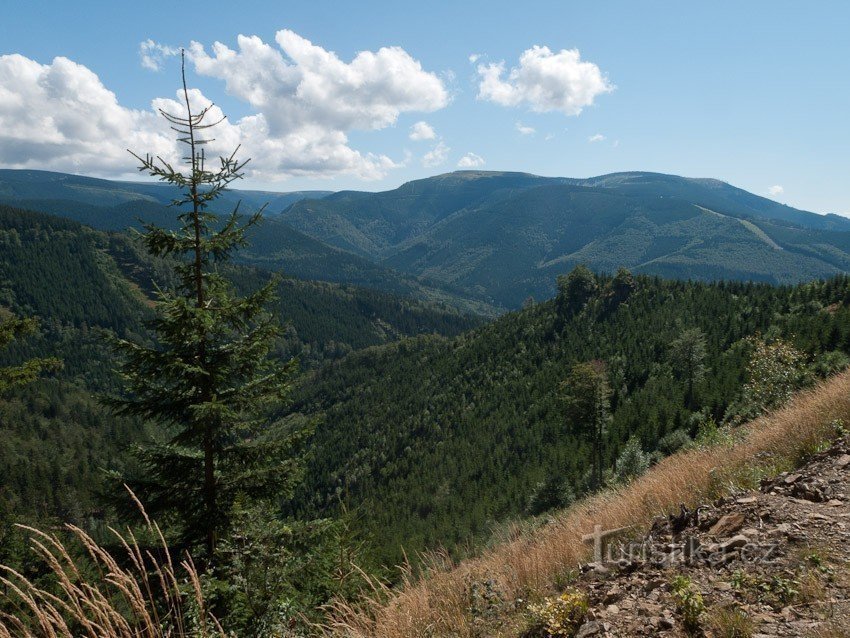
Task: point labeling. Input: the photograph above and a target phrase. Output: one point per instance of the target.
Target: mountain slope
(23, 188)
(55, 436)
(505, 235)
(438, 438)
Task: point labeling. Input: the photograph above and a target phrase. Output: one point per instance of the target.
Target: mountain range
(486, 241)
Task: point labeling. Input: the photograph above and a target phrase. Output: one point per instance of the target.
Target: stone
(843, 461)
(728, 524)
(746, 500)
(734, 543)
(591, 628)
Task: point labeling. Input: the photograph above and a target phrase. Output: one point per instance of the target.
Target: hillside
(506, 235)
(55, 437)
(485, 241)
(276, 246)
(26, 188)
(439, 439)
(742, 534)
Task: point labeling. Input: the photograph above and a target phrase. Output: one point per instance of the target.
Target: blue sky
(753, 93)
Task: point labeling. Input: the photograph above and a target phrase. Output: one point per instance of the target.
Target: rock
(728, 524)
(591, 628)
(612, 595)
(734, 543)
(793, 478)
(843, 461)
(612, 610)
(666, 623)
(746, 500)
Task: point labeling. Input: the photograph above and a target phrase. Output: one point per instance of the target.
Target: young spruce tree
(209, 378)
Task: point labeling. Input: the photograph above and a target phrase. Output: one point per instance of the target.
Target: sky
(368, 95)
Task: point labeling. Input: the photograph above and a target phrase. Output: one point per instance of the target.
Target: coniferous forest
(299, 406)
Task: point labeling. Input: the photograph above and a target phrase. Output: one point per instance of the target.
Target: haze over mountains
(486, 241)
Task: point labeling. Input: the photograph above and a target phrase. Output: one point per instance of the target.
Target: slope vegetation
(439, 438)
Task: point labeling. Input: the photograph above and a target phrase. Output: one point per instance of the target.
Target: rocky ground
(773, 562)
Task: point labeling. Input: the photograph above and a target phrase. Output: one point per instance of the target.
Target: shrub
(689, 603)
(561, 615)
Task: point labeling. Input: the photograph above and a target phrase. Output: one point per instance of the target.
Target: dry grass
(530, 565)
(149, 598)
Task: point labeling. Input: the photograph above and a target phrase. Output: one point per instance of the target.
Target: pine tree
(687, 355)
(587, 397)
(12, 328)
(209, 379)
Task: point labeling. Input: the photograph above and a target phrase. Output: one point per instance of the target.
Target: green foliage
(673, 442)
(209, 379)
(271, 577)
(587, 402)
(689, 603)
(576, 289)
(687, 356)
(554, 492)
(12, 328)
(776, 369)
(443, 439)
(560, 616)
(632, 462)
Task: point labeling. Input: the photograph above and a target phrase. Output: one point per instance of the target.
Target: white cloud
(474, 58)
(422, 131)
(775, 191)
(308, 99)
(545, 81)
(153, 54)
(470, 160)
(615, 143)
(436, 155)
(305, 101)
(59, 116)
(598, 137)
(549, 136)
(525, 130)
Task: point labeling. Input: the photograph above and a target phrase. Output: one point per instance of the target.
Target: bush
(689, 603)
(560, 616)
(673, 442)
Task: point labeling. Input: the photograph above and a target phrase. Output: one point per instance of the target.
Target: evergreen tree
(632, 462)
(587, 397)
(576, 289)
(687, 355)
(208, 379)
(12, 328)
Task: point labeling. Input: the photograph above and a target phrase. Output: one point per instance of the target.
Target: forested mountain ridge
(484, 241)
(506, 235)
(438, 439)
(83, 285)
(24, 187)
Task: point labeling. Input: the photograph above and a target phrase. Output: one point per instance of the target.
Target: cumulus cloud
(153, 54)
(544, 81)
(305, 101)
(470, 160)
(525, 130)
(422, 131)
(598, 137)
(775, 191)
(473, 58)
(59, 116)
(436, 156)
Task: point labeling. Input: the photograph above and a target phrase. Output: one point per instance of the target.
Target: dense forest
(86, 287)
(438, 439)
